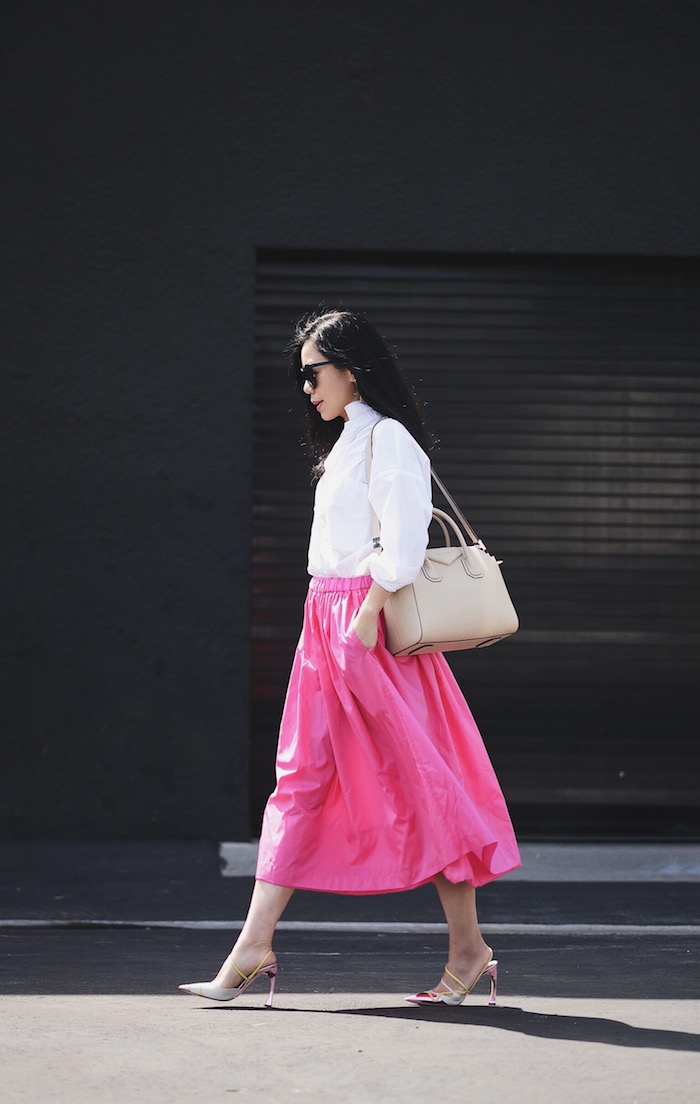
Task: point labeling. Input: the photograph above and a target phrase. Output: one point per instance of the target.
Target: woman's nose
(308, 387)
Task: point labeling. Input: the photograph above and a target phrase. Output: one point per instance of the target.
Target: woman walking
(383, 781)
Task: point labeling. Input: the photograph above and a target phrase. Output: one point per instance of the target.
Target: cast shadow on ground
(577, 1029)
(582, 1029)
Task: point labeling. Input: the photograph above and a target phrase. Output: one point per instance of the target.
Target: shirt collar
(360, 414)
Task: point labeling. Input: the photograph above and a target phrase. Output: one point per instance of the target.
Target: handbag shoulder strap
(375, 520)
(376, 542)
(458, 513)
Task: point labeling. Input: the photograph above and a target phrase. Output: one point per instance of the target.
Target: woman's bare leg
(467, 950)
(267, 904)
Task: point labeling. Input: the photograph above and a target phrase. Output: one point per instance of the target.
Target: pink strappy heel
(215, 992)
(457, 995)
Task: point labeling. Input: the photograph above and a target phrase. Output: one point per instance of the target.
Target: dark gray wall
(149, 149)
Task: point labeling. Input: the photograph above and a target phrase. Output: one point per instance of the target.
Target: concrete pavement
(353, 1048)
(599, 991)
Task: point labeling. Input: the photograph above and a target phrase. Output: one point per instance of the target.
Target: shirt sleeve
(400, 494)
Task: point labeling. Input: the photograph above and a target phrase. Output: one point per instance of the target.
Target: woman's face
(333, 389)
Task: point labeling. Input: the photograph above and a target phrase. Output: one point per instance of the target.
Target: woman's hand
(364, 625)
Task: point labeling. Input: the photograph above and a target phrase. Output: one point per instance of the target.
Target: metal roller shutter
(565, 395)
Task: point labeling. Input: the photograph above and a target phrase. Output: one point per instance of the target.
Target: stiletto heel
(215, 992)
(273, 978)
(492, 972)
(456, 996)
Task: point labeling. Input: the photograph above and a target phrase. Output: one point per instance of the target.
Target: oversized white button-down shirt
(399, 490)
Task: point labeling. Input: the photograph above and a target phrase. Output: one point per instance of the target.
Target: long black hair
(348, 340)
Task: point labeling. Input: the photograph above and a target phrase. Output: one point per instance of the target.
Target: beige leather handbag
(459, 599)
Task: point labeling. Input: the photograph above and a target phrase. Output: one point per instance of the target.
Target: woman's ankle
(247, 949)
(468, 954)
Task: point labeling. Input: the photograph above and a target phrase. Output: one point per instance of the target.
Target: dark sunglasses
(306, 371)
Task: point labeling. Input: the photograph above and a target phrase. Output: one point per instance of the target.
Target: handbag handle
(375, 520)
(446, 523)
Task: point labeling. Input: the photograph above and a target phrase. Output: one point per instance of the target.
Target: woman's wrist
(375, 599)
(370, 610)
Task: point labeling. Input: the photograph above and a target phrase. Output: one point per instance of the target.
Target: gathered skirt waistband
(330, 584)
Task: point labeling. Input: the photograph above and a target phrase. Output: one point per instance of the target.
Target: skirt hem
(275, 878)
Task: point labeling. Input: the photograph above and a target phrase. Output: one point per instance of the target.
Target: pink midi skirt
(383, 780)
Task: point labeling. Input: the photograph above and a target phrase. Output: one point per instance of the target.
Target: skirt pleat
(383, 780)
